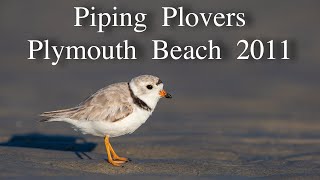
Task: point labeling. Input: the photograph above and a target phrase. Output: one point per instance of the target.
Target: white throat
(150, 100)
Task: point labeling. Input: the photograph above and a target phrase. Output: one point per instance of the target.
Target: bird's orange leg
(110, 160)
(115, 156)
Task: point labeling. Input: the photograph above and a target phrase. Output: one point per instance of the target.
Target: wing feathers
(112, 103)
(59, 113)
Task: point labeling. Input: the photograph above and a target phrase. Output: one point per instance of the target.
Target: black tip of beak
(168, 96)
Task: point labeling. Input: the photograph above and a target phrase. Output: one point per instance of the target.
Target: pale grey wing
(110, 112)
(112, 103)
(63, 113)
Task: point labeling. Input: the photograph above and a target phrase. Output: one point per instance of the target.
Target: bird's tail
(58, 114)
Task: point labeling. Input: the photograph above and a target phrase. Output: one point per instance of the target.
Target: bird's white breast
(121, 127)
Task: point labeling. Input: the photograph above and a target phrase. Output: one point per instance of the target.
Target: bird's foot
(117, 163)
(121, 159)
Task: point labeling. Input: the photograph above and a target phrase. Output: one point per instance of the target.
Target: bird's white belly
(112, 129)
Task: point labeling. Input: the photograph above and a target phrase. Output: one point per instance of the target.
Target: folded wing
(112, 103)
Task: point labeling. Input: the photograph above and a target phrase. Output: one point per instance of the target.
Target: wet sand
(210, 147)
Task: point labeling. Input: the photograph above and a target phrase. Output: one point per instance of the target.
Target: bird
(115, 110)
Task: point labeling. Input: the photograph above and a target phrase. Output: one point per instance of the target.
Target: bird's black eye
(149, 86)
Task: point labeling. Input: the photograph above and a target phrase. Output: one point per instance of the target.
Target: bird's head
(149, 89)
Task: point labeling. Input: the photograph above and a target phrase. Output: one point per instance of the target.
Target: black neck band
(138, 101)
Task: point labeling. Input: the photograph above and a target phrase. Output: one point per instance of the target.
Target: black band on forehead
(159, 82)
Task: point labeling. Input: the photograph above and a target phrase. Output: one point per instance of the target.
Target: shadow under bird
(114, 110)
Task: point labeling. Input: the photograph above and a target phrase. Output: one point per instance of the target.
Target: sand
(207, 148)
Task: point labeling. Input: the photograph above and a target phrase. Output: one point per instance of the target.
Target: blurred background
(227, 117)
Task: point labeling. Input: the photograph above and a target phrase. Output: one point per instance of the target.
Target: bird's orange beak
(163, 93)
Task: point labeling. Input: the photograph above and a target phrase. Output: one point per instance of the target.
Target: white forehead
(160, 86)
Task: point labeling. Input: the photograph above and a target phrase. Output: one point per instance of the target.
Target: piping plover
(113, 111)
